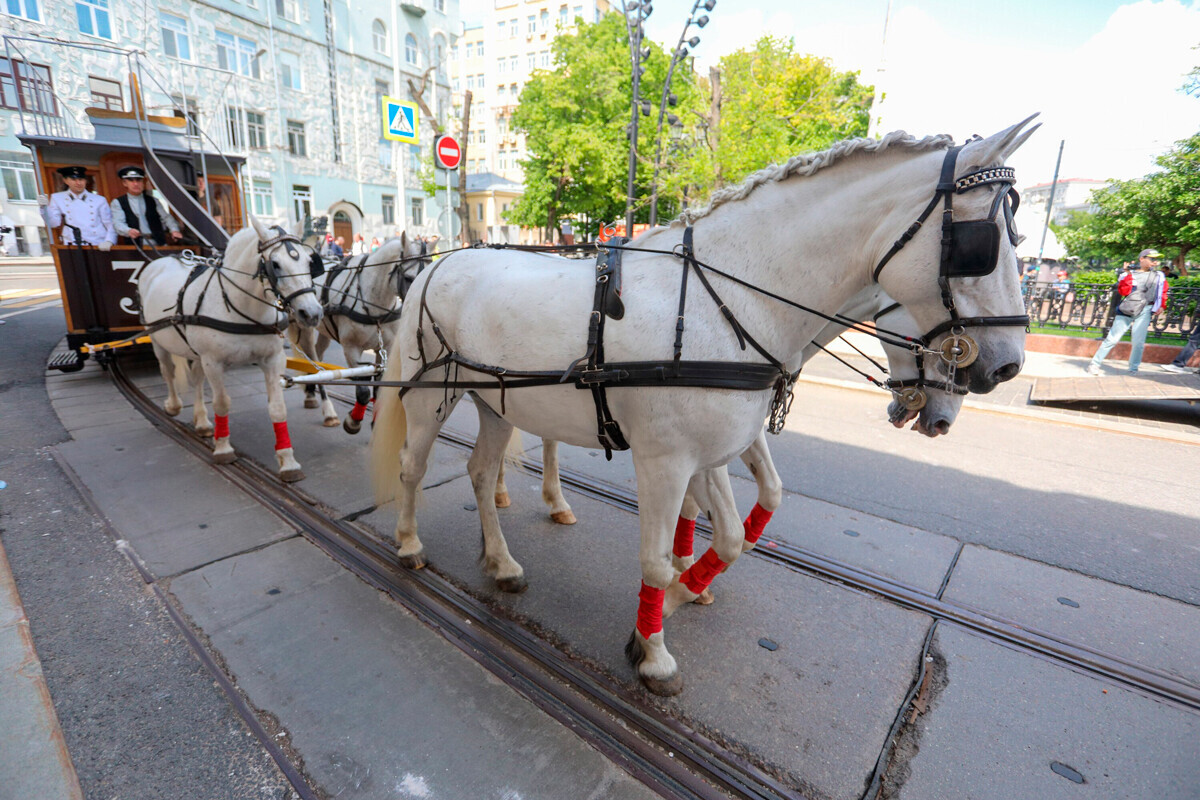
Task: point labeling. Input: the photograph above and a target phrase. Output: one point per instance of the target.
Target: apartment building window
(379, 37)
(235, 120)
(512, 64)
(256, 130)
(31, 90)
(106, 93)
(439, 54)
(193, 115)
(544, 59)
(500, 28)
(500, 90)
(385, 153)
(514, 28)
(482, 136)
(302, 201)
(416, 207)
(410, 49)
(237, 54)
(577, 12)
(439, 6)
(297, 144)
(389, 209)
(176, 42)
(93, 19)
(25, 8)
(545, 20)
(479, 212)
(531, 60)
(562, 16)
(18, 181)
(479, 49)
(500, 64)
(262, 198)
(289, 71)
(288, 9)
(530, 25)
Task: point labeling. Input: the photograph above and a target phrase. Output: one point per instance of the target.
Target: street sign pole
(449, 219)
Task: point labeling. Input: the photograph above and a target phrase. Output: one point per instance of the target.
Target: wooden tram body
(98, 296)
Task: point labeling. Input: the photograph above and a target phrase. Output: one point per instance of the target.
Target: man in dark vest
(138, 213)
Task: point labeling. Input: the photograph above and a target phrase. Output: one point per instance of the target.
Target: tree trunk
(464, 208)
(714, 125)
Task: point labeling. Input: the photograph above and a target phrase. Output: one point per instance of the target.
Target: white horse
(228, 315)
(820, 227)
(361, 302)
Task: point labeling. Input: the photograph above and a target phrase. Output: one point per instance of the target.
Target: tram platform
(371, 702)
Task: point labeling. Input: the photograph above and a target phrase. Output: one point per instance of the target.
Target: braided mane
(808, 163)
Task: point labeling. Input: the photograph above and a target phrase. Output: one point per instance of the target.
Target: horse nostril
(942, 427)
(1007, 372)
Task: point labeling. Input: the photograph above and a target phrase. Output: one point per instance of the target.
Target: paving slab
(1081, 609)
(818, 707)
(377, 704)
(1006, 725)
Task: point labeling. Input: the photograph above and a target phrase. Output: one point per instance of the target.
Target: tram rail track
(667, 755)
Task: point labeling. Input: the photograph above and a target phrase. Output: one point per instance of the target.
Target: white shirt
(87, 211)
(137, 204)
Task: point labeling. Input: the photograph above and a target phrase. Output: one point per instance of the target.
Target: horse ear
(259, 228)
(403, 241)
(997, 148)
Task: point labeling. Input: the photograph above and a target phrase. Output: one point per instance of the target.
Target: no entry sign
(446, 152)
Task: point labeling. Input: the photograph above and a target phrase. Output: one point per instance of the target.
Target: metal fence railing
(1090, 307)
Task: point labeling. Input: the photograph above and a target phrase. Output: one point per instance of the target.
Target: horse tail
(388, 435)
(182, 368)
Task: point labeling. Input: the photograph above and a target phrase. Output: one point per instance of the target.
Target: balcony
(415, 7)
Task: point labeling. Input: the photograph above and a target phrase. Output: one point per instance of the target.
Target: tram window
(106, 93)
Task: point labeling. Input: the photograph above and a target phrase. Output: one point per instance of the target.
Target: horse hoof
(664, 687)
(311, 401)
(513, 585)
(172, 411)
(291, 475)
(415, 561)
(705, 599)
(225, 458)
(503, 500)
(204, 433)
(564, 517)
(331, 422)
(351, 425)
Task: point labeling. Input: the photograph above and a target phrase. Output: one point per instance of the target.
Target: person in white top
(79, 208)
(138, 214)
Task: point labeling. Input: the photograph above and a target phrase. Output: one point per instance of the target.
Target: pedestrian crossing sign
(401, 120)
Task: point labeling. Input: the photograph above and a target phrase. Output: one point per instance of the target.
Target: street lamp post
(635, 14)
(681, 50)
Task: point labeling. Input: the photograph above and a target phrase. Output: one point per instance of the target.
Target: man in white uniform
(138, 214)
(79, 208)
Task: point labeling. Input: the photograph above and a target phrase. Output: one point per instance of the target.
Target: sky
(1104, 75)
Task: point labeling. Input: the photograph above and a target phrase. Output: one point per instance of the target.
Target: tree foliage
(1161, 210)
(774, 103)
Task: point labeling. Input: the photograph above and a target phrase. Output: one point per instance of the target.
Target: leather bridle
(969, 249)
(910, 392)
(268, 269)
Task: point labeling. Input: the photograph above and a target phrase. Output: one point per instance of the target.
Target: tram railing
(1091, 306)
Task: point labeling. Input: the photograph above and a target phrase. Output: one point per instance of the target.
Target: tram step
(69, 361)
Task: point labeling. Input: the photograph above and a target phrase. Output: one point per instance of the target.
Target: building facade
(1071, 194)
(293, 86)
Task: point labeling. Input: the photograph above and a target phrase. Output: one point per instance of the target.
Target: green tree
(1161, 210)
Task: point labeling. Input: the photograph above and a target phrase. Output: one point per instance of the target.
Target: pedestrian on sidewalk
(1181, 360)
(1143, 293)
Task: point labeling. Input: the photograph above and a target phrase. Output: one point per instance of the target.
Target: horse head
(413, 259)
(959, 279)
(289, 268)
(920, 390)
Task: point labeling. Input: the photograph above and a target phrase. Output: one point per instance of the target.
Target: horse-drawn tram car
(182, 167)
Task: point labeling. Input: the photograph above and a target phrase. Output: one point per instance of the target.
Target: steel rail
(665, 754)
(1128, 673)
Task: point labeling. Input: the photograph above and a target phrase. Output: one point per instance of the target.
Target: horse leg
(302, 340)
(166, 365)
(422, 421)
(289, 468)
(552, 494)
(757, 459)
(199, 409)
(710, 488)
(214, 371)
(483, 467)
(682, 554)
(661, 487)
(500, 496)
(362, 394)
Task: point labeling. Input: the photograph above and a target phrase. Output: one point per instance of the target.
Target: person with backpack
(1142, 293)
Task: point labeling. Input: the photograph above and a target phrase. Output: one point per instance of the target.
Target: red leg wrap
(756, 522)
(358, 412)
(698, 576)
(282, 440)
(650, 603)
(221, 427)
(684, 529)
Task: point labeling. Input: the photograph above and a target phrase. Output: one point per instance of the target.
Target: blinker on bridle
(268, 268)
(970, 249)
